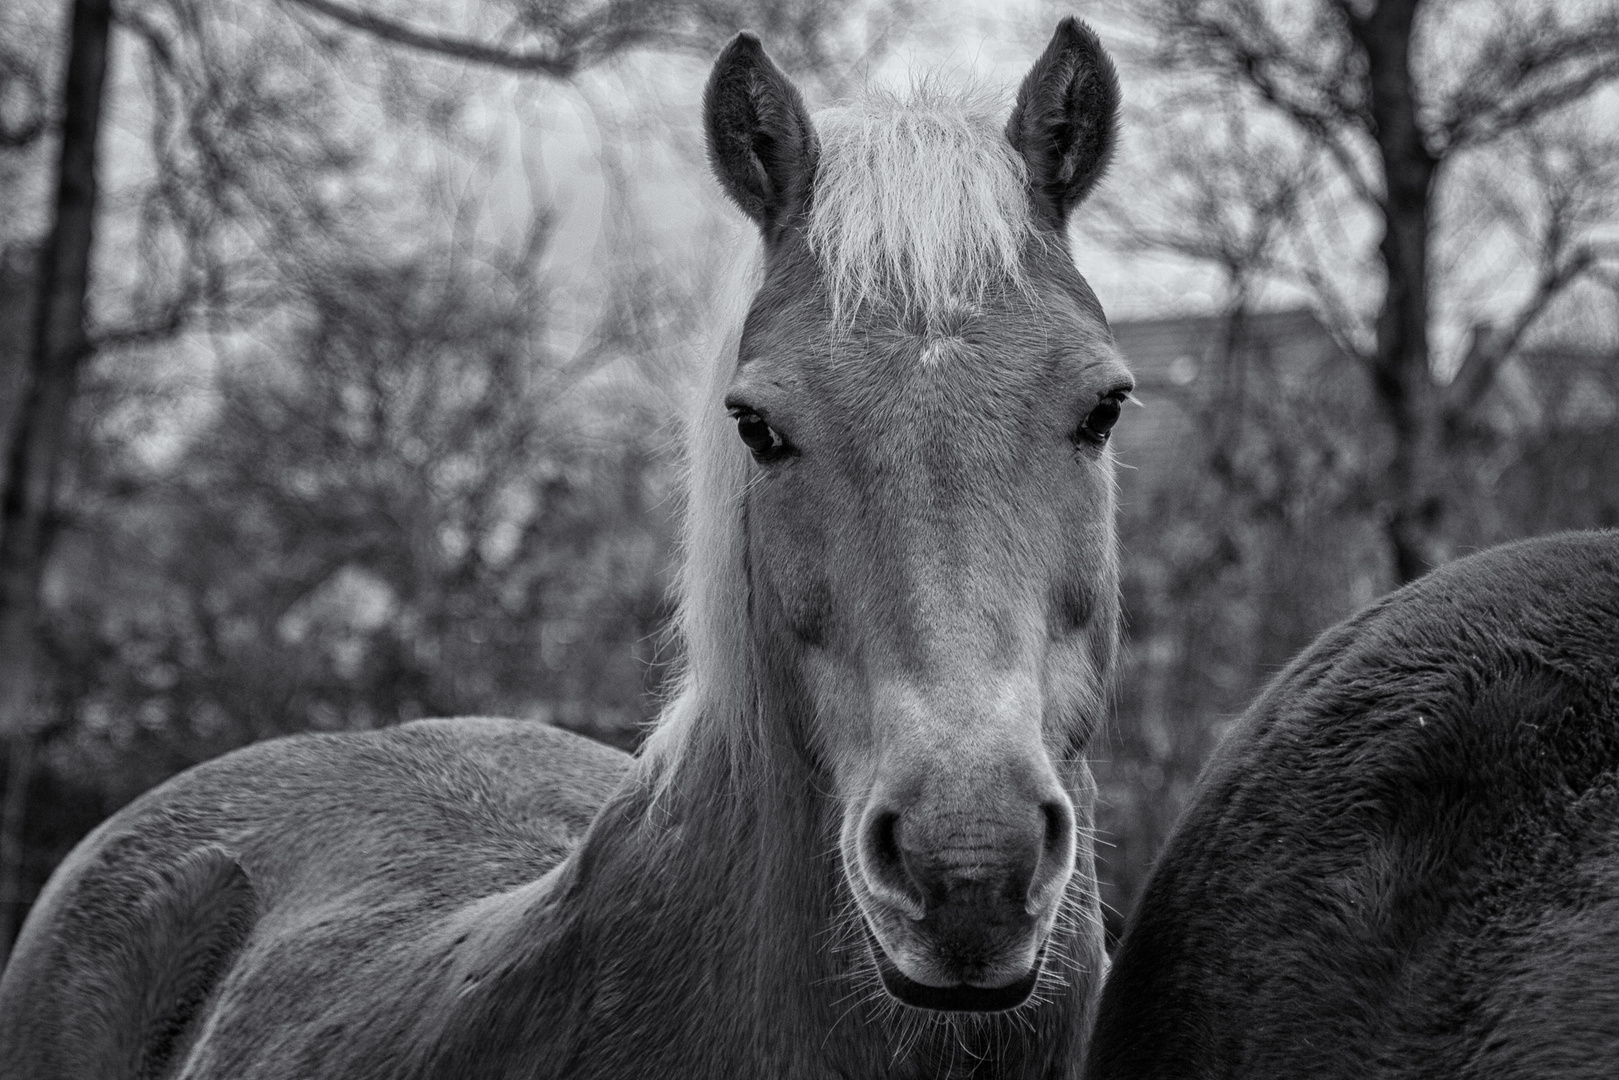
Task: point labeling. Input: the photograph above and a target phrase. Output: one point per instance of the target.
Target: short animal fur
(1404, 861)
(857, 843)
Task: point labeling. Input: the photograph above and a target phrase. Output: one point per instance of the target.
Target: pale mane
(919, 200)
(702, 724)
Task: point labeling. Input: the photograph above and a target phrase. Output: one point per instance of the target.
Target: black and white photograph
(809, 539)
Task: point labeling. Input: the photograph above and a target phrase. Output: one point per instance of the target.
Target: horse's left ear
(1065, 120)
(760, 141)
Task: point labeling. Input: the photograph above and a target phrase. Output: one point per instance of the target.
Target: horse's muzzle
(960, 997)
(959, 924)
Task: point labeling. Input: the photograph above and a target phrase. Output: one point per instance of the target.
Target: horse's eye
(1098, 424)
(765, 441)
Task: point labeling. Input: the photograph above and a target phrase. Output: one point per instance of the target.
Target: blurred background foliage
(392, 307)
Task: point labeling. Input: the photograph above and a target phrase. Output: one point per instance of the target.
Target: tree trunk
(19, 274)
(1401, 375)
(40, 432)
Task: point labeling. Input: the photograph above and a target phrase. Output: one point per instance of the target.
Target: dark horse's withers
(1404, 862)
(858, 842)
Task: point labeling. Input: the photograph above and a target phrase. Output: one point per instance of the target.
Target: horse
(1404, 859)
(857, 842)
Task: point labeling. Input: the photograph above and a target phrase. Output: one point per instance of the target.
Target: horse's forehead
(921, 367)
(986, 372)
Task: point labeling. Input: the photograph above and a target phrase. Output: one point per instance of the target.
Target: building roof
(1182, 363)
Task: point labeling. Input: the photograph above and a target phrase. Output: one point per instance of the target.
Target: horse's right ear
(1066, 120)
(760, 141)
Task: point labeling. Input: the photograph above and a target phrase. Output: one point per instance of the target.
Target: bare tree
(60, 345)
(1434, 179)
(1350, 133)
(560, 40)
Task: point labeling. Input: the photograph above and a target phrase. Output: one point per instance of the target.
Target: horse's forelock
(919, 200)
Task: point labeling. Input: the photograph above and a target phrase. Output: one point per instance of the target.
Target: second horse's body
(1404, 860)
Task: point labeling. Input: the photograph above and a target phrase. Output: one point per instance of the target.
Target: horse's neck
(724, 894)
(705, 930)
(691, 933)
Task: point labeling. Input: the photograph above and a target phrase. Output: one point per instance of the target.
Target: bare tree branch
(1525, 72)
(568, 38)
(1571, 176)
(23, 115)
(1492, 346)
(39, 441)
(1235, 40)
(559, 61)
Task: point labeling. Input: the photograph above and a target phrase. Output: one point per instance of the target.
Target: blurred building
(1550, 458)
(1185, 366)
(1251, 437)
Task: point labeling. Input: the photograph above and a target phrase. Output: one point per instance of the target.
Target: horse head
(919, 415)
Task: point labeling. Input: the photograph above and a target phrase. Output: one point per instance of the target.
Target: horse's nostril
(885, 839)
(1059, 828)
(1056, 853)
(886, 864)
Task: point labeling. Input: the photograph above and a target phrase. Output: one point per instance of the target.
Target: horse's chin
(953, 997)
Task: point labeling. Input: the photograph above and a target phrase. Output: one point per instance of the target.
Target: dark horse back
(1405, 859)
